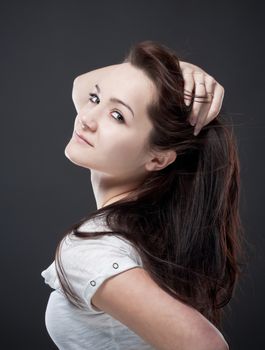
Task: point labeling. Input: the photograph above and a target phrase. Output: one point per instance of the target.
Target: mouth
(80, 137)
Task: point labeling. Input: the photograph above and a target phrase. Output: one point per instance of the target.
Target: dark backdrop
(44, 46)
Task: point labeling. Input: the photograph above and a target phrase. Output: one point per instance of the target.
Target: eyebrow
(115, 99)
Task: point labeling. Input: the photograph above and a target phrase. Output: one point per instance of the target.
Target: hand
(206, 87)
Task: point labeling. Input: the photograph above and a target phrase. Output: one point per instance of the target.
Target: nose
(87, 122)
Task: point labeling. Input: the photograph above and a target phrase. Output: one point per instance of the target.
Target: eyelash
(119, 120)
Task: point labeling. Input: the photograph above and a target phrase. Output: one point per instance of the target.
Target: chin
(66, 153)
(72, 156)
(75, 158)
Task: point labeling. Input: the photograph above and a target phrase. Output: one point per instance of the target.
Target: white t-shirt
(87, 264)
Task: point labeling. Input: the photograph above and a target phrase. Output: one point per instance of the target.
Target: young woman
(152, 267)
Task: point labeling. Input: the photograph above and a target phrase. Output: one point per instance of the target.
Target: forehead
(129, 84)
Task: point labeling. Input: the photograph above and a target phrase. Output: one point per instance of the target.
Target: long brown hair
(188, 233)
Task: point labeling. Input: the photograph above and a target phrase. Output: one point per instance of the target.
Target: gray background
(44, 46)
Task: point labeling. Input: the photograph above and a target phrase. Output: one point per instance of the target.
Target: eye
(118, 114)
(93, 96)
(121, 120)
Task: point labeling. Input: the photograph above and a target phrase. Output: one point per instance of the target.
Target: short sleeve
(89, 262)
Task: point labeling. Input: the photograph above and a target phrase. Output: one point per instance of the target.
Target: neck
(108, 190)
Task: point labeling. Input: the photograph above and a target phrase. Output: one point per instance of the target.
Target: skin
(203, 84)
(119, 158)
(118, 161)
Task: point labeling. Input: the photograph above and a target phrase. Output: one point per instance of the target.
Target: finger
(214, 109)
(200, 96)
(216, 103)
(188, 86)
(202, 118)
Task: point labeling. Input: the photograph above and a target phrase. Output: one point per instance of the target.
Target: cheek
(126, 144)
(125, 147)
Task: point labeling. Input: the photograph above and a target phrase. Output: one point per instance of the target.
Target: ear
(161, 160)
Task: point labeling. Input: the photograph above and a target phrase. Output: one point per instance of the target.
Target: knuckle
(187, 71)
(200, 74)
(211, 80)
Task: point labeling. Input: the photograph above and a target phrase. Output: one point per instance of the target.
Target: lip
(79, 136)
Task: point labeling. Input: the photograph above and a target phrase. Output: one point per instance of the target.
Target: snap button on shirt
(87, 264)
(93, 283)
(115, 265)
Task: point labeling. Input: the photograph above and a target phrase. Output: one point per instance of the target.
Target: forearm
(84, 82)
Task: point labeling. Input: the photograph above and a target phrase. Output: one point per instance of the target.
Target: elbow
(216, 342)
(76, 80)
(210, 339)
(220, 344)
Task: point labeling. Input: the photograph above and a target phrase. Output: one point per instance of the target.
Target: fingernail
(196, 132)
(192, 122)
(187, 102)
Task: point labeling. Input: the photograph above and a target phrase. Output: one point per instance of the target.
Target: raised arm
(196, 80)
(84, 82)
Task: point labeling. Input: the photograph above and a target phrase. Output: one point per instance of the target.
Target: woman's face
(118, 133)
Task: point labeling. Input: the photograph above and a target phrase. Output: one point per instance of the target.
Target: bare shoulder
(83, 83)
(134, 299)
